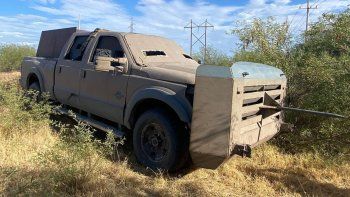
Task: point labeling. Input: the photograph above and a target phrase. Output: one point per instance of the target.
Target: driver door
(103, 91)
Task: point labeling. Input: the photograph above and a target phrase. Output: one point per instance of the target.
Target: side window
(75, 50)
(108, 46)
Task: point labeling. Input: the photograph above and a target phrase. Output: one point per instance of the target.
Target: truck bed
(42, 67)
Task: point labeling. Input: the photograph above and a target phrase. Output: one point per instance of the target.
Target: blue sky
(21, 21)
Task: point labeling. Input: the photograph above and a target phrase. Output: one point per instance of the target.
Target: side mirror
(110, 64)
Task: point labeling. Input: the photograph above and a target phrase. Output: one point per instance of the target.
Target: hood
(250, 70)
(173, 72)
(162, 58)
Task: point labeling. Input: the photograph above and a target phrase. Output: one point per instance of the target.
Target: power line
(313, 6)
(300, 24)
(320, 3)
(315, 3)
(296, 12)
(291, 22)
(308, 8)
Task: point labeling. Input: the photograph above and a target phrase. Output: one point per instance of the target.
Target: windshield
(156, 50)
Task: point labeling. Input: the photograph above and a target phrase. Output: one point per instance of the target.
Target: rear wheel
(160, 141)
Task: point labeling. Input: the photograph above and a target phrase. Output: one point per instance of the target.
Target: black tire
(34, 91)
(160, 141)
(34, 86)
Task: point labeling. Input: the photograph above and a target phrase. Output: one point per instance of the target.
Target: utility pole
(79, 22)
(204, 25)
(131, 27)
(308, 7)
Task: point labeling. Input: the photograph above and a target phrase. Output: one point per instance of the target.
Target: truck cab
(118, 77)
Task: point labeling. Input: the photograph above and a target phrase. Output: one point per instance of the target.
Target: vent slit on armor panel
(260, 88)
(272, 87)
(252, 101)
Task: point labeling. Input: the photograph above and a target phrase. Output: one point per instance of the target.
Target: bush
(12, 55)
(77, 158)
(318, 73)
(67, 161)
(20, 113)
(213, 57)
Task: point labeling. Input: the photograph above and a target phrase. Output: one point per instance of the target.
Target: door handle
(119, 69)
(83, 73)
(59, 69)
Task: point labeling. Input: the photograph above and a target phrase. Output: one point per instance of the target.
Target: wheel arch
(35, 76)
(154, 97)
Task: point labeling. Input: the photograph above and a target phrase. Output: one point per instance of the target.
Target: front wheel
(160, 141)
(34, 91)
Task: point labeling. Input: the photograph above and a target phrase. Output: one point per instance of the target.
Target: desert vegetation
(11, 56)
(44, 153)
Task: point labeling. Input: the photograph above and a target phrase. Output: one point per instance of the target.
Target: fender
(37, 72)
(159, 93)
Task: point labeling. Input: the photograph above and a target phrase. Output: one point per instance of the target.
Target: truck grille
(252, 99)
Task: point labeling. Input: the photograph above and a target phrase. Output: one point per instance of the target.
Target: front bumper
(227, 111)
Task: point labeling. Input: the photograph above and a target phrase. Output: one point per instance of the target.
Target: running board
(95, 123)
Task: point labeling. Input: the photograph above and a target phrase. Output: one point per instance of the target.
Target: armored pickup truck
(175, 109)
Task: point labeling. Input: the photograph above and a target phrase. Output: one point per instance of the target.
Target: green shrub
(19, 112)
(12, 55)
(213, 57)
(318, 73)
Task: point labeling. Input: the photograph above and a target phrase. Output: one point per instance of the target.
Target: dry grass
(35, 161)
(9, 76)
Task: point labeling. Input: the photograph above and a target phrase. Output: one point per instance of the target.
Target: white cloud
(6, 33)
(150, 2)
(88, 10)
(257, 2)
(46, 1)
(169, 18)
(41, 1)
(161, 17)
(48, 10)
(27, 43)
(283, 2)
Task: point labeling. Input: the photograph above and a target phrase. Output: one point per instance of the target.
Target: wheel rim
(154, 142)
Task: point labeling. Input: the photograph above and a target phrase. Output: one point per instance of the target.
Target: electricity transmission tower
(131, 27)
(204, 25)
(190, 26)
